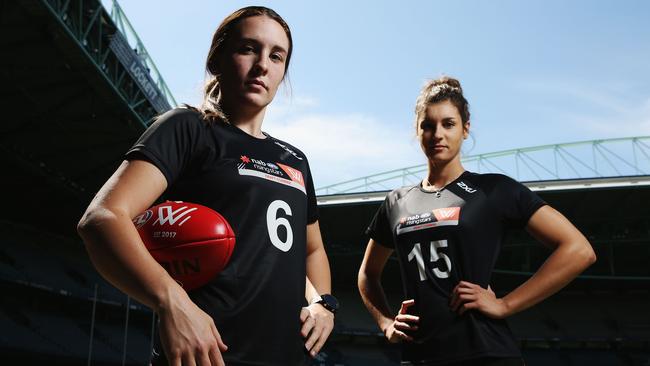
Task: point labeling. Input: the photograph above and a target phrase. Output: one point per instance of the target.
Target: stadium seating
(50, 311)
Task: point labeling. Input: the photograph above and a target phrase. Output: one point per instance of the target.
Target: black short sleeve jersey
(264, 188)
(440, 241)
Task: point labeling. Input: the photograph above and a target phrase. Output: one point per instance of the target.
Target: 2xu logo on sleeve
(465, 187)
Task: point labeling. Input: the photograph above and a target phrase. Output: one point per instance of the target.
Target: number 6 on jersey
(273, 222)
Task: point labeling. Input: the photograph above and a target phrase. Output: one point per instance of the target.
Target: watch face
(330, 301)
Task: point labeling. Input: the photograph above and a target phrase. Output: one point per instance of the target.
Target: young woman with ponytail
(271, 304)
(447, 232)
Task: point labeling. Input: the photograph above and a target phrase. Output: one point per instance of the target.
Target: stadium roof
(78, 88)
(549, 185)
(611, 161)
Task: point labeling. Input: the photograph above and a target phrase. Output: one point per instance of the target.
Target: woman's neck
(247, 120)
(442, 174)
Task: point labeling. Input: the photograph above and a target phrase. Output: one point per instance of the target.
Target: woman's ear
(466, 130)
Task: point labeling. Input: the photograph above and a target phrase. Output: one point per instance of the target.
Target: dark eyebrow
(256, 42)
(446, 119)
(280, 49)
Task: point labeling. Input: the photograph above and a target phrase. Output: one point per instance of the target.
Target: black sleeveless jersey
(442, 240)
(263, 187)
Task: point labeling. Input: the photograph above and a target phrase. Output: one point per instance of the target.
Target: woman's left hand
(468, 296)
(317, 324)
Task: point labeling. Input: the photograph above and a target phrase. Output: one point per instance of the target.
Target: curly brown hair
(438, 90)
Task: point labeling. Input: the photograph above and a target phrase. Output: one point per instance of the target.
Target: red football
(192, 242)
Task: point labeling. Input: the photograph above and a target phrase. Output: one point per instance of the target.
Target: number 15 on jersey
(416, 253)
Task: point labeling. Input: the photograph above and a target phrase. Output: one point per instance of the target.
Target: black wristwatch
(329, 302)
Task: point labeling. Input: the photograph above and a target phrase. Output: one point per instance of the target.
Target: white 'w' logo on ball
(166, 215)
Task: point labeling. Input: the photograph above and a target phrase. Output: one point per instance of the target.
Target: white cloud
(285, 105)
(344, 147)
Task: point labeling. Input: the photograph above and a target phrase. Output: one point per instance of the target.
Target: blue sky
(534, 72)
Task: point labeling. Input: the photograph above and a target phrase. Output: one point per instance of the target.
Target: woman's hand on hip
(317, 324)
(469, 296)
(189, 335)
(403, 322)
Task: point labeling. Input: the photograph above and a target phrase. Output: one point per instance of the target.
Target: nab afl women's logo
(142, 218)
